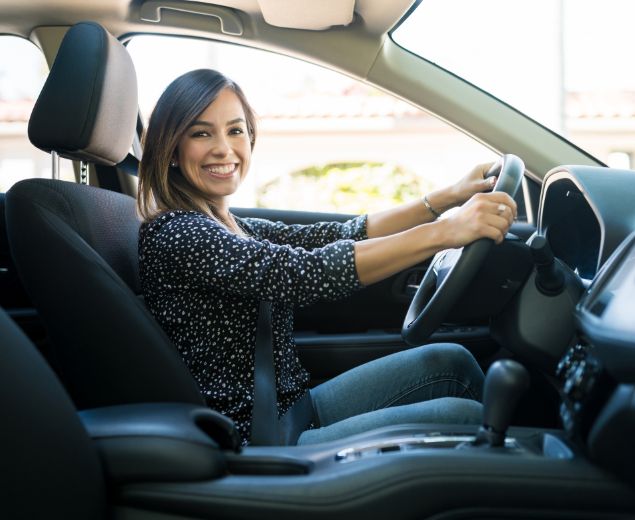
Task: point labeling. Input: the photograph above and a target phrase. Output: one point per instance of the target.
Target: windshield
(565, 63)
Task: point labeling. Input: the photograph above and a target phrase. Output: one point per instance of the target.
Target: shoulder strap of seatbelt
(264, 418)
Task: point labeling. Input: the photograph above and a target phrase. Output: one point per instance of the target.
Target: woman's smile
(221, 171)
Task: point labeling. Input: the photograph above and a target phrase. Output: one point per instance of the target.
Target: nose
(220, 147)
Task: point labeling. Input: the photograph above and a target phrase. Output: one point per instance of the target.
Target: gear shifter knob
(505, 383)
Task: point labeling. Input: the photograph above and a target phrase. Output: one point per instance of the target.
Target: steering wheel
(452, 270)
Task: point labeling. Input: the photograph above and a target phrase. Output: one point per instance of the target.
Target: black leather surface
(48, 468)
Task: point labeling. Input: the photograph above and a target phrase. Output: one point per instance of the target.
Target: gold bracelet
(430, 208)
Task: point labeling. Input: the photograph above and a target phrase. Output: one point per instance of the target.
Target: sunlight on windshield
(565, 63)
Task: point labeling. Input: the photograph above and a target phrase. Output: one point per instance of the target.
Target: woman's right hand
(484, 215)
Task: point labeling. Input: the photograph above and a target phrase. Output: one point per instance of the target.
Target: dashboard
(572, 228)
(606, 313)
(585, 213)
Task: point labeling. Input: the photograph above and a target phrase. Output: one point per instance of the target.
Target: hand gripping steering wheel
(452, 270)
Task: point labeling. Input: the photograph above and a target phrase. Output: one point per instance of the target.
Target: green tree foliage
(355, 187)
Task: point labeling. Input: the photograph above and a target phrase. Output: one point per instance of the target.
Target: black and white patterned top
(204, 283)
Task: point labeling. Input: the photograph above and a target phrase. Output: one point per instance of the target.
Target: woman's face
(215, 151)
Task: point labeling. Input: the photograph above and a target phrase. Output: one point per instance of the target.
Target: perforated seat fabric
(49, 468)
(75, 246)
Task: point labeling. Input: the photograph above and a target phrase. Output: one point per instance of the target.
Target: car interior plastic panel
(605, 313)
(610, 439)
(605, 194)
(392, 471)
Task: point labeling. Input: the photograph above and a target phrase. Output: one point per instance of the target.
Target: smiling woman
(204, 272)
(197, 147)
(215, 152)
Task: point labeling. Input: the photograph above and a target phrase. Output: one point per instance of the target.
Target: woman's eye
(236, 131)
(200, 133)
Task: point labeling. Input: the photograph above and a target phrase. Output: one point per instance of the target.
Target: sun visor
(314, 15)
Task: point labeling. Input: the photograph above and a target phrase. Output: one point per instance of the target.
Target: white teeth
(224, 169)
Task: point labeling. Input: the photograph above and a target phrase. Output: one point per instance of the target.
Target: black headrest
(87, 109)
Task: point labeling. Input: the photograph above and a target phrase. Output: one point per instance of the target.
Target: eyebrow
(206, 123)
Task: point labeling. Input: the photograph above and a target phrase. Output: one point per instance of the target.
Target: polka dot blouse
(204, 283)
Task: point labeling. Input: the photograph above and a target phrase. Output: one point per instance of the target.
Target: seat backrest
(75, 246)
(50, 468)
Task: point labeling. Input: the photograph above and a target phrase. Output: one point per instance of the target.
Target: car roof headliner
(121, 16)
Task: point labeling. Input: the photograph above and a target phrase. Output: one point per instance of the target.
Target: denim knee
(452, 358)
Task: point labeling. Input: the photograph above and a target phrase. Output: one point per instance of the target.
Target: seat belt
(264, 416)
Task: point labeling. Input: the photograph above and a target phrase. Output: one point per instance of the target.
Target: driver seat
(75, 246)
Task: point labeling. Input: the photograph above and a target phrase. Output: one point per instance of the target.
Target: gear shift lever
(505, 383)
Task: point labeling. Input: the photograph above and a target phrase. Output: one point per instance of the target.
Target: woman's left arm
(411, 214)
(308, 236)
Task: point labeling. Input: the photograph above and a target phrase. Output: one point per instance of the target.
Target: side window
(326, 142)
(23, 71)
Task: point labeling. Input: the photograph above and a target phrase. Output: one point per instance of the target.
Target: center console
(402, 472)
(179, 461)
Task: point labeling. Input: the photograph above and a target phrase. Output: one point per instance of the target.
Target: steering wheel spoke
(452, 270)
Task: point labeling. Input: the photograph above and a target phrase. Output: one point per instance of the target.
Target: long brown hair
(163, 187)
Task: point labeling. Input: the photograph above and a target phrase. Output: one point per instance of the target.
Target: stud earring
(173, 164)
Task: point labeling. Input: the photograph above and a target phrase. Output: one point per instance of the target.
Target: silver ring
(501, 209)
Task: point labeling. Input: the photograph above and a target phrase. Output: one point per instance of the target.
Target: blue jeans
(437, 383)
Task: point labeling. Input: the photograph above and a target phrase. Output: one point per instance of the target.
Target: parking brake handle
(505, 383)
